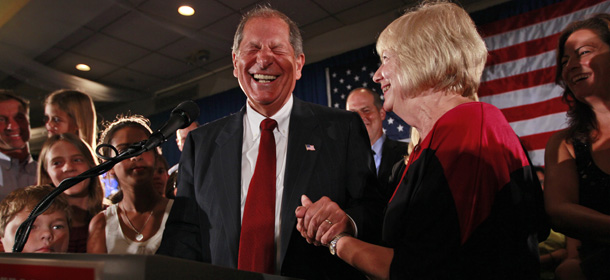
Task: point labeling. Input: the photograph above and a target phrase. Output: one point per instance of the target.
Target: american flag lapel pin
(309, 147)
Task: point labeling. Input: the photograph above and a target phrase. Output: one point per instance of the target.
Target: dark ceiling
(143, 50)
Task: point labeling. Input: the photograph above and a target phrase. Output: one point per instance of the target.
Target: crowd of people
(270, 187)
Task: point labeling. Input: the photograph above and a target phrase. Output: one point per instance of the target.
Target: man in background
(386, 152)
(180, 137)
(17, 168)
(172, 181)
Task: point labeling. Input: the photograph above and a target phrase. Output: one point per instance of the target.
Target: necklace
(139, 236)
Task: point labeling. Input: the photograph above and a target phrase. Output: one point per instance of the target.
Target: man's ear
(382, 114)
(300, 61)
(234, 64)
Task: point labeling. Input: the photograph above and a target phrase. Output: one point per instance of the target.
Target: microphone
(182, 116)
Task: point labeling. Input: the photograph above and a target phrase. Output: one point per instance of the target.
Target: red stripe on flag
(525, 49)
(535, 16)
(536, 141)
(534, 110)
(517, 82)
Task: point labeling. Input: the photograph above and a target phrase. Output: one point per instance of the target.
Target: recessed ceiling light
(83, 67)
(186, 11)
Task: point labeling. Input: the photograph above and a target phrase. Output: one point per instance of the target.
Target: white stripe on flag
(546, 123)
(524, 96)
(519, 66)
(537, 157)
(542, 29)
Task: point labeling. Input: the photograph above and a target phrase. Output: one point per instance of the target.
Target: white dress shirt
(377, 150)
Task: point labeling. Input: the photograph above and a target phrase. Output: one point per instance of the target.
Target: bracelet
(333, 243)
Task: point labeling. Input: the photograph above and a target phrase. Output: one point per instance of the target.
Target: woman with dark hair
(577, 159)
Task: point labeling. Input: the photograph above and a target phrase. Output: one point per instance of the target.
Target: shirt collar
(5, 161)
(377, 147)
(8, 162)
(282, 117)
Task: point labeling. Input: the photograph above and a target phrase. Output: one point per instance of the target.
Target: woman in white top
(135, 224)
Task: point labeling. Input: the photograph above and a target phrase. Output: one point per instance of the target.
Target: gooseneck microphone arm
(182, 116)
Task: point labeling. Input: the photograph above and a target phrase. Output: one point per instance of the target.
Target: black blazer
(205, 223)
(391, 153)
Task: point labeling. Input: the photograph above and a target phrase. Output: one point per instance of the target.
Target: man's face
(265, 64)
(362, 102)
(14, 126)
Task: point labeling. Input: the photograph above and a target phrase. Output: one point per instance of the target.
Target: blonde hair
(95, 191)
(437, 47)
(79, 106)
(27, 198)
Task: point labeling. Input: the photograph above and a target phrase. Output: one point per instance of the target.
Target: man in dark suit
(321, 152)
(387, 152)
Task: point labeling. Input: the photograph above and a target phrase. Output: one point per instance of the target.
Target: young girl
(71, 111)
(134, 225)
(64, 156)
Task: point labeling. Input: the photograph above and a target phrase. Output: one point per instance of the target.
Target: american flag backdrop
(518, 78)
(343, 79)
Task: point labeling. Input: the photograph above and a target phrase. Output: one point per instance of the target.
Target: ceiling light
(83, 67)
(186, 11)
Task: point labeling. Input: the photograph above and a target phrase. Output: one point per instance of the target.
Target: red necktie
(256, 241)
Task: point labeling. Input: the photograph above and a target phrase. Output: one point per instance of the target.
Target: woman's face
(136, 170)
(387, 77)
(57, 121)
(64, 160)
(586, 65)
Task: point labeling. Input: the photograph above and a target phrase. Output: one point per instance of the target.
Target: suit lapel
(304, 130)
(229, 143)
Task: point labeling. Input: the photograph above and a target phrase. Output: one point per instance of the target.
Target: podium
(116, 267)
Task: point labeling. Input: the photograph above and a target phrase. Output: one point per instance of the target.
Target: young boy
(49, 233)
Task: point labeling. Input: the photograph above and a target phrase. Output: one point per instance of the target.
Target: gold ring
(329, 222)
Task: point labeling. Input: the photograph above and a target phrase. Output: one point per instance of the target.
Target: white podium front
(101, 267)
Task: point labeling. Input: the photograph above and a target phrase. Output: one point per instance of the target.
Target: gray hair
(296, 41)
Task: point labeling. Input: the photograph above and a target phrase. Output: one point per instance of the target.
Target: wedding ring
(329, 222)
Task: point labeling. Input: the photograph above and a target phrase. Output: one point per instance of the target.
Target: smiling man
(386, 152)
(315, 150)
(17, 168)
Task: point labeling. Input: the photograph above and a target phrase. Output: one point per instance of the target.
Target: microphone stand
(23, 232)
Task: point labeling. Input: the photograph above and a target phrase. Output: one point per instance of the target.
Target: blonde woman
(467, 206)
